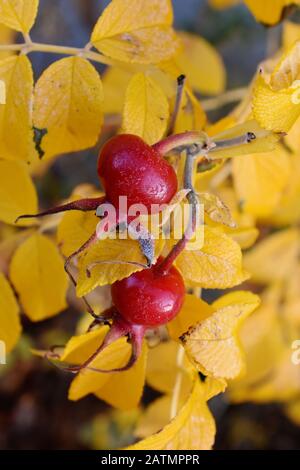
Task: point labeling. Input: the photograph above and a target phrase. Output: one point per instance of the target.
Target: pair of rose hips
(127, 166)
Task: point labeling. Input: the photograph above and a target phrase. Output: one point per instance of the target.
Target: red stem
(85, 205)
(183, 140)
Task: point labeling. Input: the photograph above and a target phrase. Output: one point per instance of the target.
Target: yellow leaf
(268, 11)
(75, 229)
(201, 64)
(6, 37)
(134, 31)
(276, 105)
(115, 82)
(259, 180)
(265, 141)
(109, 261)
(217, 265)
(290, 34)
(263, 342)
(68, 103)
(191, 115)
(10, 325)
(120, 389)
(192, 429)
(37, 273)
(213, 344)
(244, 233)
(15, 115)
(162, 368)
(146, 109)
(155, 417)
(273, 258)
(288, 209)
(17, 192)
(216, 209)
(19, 14)
(193, 311)
(275, 110)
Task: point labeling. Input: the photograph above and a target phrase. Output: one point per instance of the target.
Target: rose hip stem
(194, 204)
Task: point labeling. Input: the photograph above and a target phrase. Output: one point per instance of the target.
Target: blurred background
(34, 410)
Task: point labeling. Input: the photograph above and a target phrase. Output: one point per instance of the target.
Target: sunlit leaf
(106, 386)
(68, 104)
(109, 261)
(17, 192)
(193, 428)
(274, 257)
(259, 180)
(218, 264)
(162, 368)
(134, 31)
(19, 14)
(193, 311)
(16, 135)
(37, 273)
(213, 344)
(201, 64)
(269, 11)
(265, 141)
(146, 109)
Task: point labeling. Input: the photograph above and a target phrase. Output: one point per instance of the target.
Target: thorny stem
(85, 205)
(235, 141)
(28, 46)
(178, 382)
(180, 87)
(193, 202)
(183, 141)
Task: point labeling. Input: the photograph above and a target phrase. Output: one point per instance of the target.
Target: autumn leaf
(216, 209)
(288, 208)
(260, 179)
(200, 62)
(218, 264)
(276, 104)
(146, 109)
(263, 343)
(269, 11)
(115, 82)
(74, 230)
(6, 37)
(19, 14)
(244, 232)
(193, 428)
(10, 325)
(106, 386)
(68, 104)
(290, 34)
(213, 344)
(162, 368)
(134, 31)
(264, 141)
(15, 116)
(273, 258)
(17, 192)
(193, 311)
(37, 273)
(110, 260)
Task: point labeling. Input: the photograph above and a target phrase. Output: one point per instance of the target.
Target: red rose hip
(127, 166)
(149, 297)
